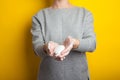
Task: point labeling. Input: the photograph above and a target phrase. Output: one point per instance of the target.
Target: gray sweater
(55, 25)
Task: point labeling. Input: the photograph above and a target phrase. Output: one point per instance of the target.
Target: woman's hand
(69, 43)
(49, 48)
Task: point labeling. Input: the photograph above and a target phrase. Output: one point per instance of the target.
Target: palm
(51, 47)
(68, 43)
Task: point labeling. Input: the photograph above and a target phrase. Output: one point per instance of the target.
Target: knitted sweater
(55, 25)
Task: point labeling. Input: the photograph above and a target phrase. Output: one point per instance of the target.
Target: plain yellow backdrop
(17, 59)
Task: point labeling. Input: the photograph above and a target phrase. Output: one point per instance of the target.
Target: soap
(59, 49)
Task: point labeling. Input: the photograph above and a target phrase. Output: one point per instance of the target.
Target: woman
(63, 23)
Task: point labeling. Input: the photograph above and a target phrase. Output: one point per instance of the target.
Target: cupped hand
(50, 46)
(68, 43)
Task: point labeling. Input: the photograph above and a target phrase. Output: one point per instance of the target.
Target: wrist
(76, 43)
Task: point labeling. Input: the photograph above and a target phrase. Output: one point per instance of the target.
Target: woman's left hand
(68, 43)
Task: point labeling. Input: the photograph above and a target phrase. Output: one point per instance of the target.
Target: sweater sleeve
(88, 41)
(37, 37)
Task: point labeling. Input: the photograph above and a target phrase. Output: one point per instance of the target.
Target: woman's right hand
(49, 48)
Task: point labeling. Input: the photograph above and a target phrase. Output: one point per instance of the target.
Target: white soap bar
(59, 49)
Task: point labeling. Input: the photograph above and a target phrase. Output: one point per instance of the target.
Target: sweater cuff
(40, 51)
(83, 46)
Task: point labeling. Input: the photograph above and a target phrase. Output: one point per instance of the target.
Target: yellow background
(17, 59)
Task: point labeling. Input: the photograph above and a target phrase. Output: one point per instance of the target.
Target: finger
(52, 52)
(51, 46)
(64, 51)
(65, 54)
(49, 52)
(61, 59)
